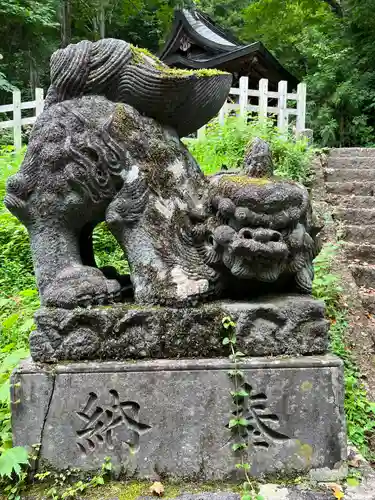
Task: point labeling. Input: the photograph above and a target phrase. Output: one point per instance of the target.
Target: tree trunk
(66, 22)
(34, 77)
(102, 21)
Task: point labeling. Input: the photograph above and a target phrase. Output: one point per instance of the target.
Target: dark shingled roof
(197, 42)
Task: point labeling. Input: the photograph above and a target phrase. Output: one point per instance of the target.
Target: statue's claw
(81, 286)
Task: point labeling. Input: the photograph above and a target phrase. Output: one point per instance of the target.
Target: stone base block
(170, 417)
(269, 326)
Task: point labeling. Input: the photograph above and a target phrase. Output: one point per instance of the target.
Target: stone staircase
(350, 186)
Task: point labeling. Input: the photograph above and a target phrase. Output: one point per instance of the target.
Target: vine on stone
(238, 423)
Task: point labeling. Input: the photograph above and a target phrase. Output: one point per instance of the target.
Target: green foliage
(30, 30)
(107, 250)
(18, 301)
(11, 461)
(64, 486)
(4, 84)
(360, 412)
(326, 285)
(331, 49)
(16, 269)
(225, 145)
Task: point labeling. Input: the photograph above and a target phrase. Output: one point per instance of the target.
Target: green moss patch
(243, 180)
(131, 490)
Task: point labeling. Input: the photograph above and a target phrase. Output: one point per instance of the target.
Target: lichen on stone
(140, 55)
(139, 52)
(168, 72)
(243, 180)
(123, 122)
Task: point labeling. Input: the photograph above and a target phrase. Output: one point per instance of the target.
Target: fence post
(39, 101)
(222, 113)
(201, 133)
(301, 108)
(282, 118)
(17, 117)
(263, 98)
(244, 87)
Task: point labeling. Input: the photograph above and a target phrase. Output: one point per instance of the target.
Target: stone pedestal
(269, 326)
(170, 417)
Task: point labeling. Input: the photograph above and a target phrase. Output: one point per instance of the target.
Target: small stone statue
(258, 159)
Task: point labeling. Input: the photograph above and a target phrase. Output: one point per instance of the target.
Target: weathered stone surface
(29, 417)
(279, 325)
(357, 234)
(349, 174)
(355, 188)
(360, 216)
(352, 152)
(170, 417)
(258, 159)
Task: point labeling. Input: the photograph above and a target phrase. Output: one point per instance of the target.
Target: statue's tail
(87, 68)
(183, 100)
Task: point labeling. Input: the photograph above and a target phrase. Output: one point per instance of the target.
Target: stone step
(358, 234)
(351, 201)
(345, 152)
(353, 216)
(359, 253)
(349, 174)
(368, 299)
(364, 275)
(357, 188)
(367, 162)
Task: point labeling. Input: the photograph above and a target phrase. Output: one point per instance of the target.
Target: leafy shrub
(107, 250)
(16, 268)
(18, 302)
(225, 145)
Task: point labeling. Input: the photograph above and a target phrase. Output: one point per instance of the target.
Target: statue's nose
(260, 234)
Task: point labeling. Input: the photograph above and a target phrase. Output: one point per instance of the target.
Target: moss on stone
(168, 72)
(158, 178)
(123, 122)
(131, 490)
(243, 180)
(139, 54)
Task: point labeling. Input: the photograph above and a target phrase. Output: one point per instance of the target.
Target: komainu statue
(107, 148)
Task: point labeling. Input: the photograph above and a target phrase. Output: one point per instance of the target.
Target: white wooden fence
(241, 107)
(16, 108)
(243, 94)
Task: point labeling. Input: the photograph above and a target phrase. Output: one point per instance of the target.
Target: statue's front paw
(81, 286)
